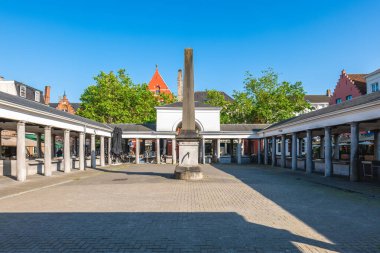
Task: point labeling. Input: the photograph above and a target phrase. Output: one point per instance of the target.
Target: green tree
(216, 98)
(116, 99)
(266, 100)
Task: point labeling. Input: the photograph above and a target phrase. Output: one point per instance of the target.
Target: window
(349, 97)
(23, 91)
(37, 96)
(157, 90)
(375, 87)
(279, 147)
(338, 100)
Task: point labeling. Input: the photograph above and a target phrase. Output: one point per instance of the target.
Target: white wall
(169, 118)
(371, 80)
(8, 87)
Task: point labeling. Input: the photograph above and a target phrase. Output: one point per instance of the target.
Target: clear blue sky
(66, 43)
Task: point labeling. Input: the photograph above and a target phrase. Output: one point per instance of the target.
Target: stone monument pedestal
(188, 168)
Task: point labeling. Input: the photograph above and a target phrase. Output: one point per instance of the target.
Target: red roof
(157, 84)
(359, 82)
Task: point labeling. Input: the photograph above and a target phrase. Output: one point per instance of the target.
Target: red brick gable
(157, 84)
(348, 85)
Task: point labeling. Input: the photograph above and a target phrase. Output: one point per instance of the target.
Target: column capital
(47, 127)
(21, 123)
(67, 131)
(354, 123)
(82, 133)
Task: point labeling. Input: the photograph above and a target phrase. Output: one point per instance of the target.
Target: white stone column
(158, 151)
(66, 149)
(102, 155)
(137, 160)
(47, 152)
(238, 151)
(38, 140)
(21, 153)
(174, 151)
(328, 153)
(377, 145)
(309, 152)
(266, 151)
(82, 144)
(93, 152)
(259, 152)
(336, 146)
(274, 161)
(354, 155)
(203, 151)
(294, 151)
(283, 151)
(217, 150)
(109, 150)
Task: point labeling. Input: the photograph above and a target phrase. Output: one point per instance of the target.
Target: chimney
(180, 85)
(47, 95)
(328, 93)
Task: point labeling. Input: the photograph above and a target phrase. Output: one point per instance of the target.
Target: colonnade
(329, 148)
(49, 150)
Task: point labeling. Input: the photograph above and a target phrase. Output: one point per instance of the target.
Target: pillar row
(81, 151)
(21, 159)
(266, 151)
(309, 151)
(48, 151)
(259, 152)
(66, 149)
(174, 151)
(238, 151)
(354, 155)
(294, 151)
(109, 150)
(102, 153)
(328, 152)
(283, 151)
(274, 151)
(137, 160)
(93, 152)
(158, 151)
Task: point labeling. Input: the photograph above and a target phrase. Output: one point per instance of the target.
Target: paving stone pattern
(139, 208)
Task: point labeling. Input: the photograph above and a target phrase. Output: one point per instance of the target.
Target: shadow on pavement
(143, 232)
(141, 173)
(342, 217)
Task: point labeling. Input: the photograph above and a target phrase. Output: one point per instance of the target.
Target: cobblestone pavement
(139, 208)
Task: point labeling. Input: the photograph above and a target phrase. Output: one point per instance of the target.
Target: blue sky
(65, 43)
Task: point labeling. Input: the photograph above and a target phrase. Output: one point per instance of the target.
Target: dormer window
(37, 96)
(23, 91)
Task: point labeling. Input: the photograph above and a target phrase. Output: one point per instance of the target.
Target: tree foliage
(216, 98)
(116, 99)
(263, 100)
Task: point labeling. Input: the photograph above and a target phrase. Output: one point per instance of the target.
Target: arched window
(158, 90)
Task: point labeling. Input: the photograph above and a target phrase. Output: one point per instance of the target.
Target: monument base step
(188, 173)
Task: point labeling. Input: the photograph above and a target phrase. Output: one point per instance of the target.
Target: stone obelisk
(188, 138)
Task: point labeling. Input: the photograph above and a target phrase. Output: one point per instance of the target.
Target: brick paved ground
(235, 209)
